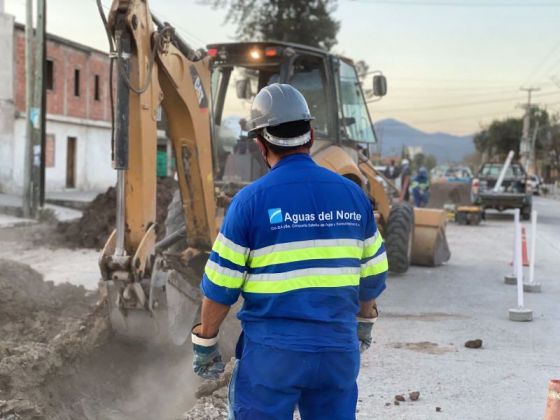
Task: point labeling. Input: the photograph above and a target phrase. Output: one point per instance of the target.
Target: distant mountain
(395, 134)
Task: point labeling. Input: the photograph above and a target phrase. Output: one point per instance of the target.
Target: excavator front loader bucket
(429, 246)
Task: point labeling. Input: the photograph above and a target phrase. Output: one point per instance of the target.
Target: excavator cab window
(355, 122)
(237, 158)
(308, 76)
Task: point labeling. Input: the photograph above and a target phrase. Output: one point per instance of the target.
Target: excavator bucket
(445, 192)
(183, 306)
(429, 245)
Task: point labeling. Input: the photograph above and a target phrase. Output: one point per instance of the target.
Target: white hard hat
(279, 104)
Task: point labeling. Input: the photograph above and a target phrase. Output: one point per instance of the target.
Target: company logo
(275, 216)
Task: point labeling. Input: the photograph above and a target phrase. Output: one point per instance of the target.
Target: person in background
(405, 181)
(421, 188)
(391, 171)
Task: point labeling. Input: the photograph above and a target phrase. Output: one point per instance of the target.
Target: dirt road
(426, 317)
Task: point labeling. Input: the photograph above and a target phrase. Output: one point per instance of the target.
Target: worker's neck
(273, 158)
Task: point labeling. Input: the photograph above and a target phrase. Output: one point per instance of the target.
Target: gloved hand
(365, 327)
(207, 360)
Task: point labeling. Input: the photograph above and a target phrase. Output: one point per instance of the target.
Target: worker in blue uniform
(302, 247)
(421, 188)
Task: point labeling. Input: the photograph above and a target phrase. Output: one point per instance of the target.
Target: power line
(192, 38)
(464, 104)
(457, 4)
(540, 66)
(469, 117)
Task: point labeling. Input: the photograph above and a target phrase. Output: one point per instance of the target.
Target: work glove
(365, 328)
(207, 360)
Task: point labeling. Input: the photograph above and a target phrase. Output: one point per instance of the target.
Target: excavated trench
(59, 360)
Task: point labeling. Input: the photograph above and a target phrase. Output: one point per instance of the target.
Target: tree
(551, 144)
(501, 136)
(307, 22)
(362, 69)
(420, 159)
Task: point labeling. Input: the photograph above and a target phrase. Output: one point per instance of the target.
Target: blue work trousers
(268, 383)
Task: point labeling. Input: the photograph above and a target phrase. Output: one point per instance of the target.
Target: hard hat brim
(286, 142)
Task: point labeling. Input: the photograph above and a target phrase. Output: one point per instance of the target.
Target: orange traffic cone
(524, 248)
(525, 254)
(552, 410)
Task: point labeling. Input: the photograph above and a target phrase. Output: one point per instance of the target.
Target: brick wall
(66, 58)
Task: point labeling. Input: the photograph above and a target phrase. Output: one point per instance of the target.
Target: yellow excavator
(152, 286)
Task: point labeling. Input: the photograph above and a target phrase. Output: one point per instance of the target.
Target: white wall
(93, 155)
(7, 94)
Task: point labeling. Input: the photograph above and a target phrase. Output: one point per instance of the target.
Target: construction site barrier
(532, 286)
(552, 410)
(520, 313)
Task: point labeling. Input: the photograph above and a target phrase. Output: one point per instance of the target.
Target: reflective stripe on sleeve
(223, 276)
(375, 266)
(372, 245)
(306, 250)
(230, 250)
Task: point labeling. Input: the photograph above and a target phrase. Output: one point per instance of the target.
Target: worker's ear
(312, 138)
(260, 145)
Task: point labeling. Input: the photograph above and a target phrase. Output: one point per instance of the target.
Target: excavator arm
(155, 68)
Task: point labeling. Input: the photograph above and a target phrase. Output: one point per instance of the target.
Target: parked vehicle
(535, 182)
(514, 193)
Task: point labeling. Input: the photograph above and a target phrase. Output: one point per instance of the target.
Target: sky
(452, 65)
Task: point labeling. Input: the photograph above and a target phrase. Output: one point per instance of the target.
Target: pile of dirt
(59, 359)
(99, 217)
(28, 305)
(43, 329)
(442, 193)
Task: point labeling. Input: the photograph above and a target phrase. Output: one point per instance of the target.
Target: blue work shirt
(302, 246)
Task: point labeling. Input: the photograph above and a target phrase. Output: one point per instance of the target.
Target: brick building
(78, 146)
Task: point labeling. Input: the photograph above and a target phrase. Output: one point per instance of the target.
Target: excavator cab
(329, 84)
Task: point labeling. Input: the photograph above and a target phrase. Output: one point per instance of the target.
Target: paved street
(428, 314)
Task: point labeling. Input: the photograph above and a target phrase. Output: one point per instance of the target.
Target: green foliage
(551, 143)
(362, 69)
(307, 22)
(501, 136)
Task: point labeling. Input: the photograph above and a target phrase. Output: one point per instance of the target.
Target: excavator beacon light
(271, 52)
(212, 52)
(255, 54)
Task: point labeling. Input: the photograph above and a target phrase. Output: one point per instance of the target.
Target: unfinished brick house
(78, 146)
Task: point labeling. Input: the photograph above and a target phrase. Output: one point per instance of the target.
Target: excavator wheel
(399, 237)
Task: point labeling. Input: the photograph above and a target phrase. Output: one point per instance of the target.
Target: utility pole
(28, 155)
(525, 146)
(38, 110)
(34, 70)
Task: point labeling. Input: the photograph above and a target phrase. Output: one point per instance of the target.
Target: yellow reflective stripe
(371, 249)
(228, 253)
(222, 279)
(302, 282)
(313, 243)
(376, 266)
(318, 253)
